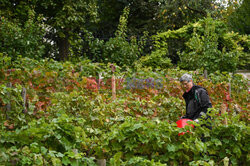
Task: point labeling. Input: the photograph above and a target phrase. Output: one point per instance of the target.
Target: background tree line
(128, 32)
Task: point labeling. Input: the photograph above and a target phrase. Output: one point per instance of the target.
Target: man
(196, 98)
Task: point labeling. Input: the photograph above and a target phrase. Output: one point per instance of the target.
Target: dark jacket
(197, 102)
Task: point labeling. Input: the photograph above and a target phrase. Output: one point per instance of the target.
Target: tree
(66, 20)
(206, 44)
(239, 19)
(152, 16)
(176, 13)
(20, 32)
(109, 12)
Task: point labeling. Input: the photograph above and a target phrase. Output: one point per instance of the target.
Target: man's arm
(205, 102)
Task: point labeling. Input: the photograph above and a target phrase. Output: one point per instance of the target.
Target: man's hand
(203, 115)
(196, 120)
(183, 117)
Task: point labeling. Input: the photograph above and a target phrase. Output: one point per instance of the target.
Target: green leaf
(217, 142)
(65, 160)
(56, 161)
(171, 148)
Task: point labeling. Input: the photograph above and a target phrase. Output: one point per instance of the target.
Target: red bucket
(182, 123)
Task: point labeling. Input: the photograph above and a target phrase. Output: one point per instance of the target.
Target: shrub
(21, 38)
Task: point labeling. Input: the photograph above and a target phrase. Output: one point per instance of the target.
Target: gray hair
(186, 77)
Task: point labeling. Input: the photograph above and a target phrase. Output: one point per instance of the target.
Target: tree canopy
(73, 29)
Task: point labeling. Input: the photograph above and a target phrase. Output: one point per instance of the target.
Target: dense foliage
(206, 44)
(152, 16)
(58, 61)
(65, 30)
(18, 39)
(70, 118)
(237, 16)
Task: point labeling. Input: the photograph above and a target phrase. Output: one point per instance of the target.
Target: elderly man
(196, 98)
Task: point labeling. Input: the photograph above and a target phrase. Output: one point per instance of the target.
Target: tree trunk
(63, 44)
(63, 49)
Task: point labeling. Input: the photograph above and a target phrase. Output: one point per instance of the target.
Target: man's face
(187, 85)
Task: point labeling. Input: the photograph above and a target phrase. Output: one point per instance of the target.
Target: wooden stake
(24, 100)
(101, 162)
(113, 82)
(113, 88)
(223, 111)
(8, 106)
(205, 73)
(229, 88)
(99, 80)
